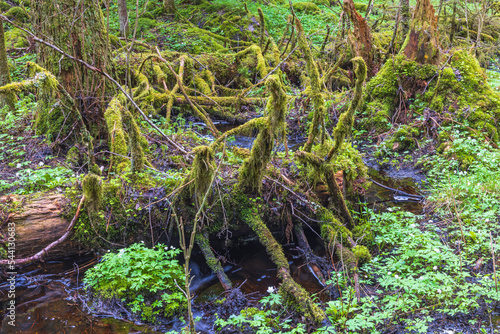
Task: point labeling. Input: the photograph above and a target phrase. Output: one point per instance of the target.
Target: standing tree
(76, 27)
(169, 6)
(7, 99)
(123, 17)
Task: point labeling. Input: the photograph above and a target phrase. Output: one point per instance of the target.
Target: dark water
(47, 293)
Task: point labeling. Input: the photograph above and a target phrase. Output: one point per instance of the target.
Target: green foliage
(270, 318)
(142, 278)
(40, 179)
(415, 273)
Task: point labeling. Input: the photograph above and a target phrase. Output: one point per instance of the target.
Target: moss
(212, 261)
(332, 231)
(363, 234)
(298, 298)
(321, 2)
(253, 168)
(92, 190)
(145, 24)
(18, 14)
(262, 22)
(147, 15)
(362, 254)
(116, 133)
(252, 57)
(4, 6)
(201, 172)
(73, 156)
(314, 88)
(346, 120)
(137, 154)
(306, 7)
(361, 7)
(273, 248)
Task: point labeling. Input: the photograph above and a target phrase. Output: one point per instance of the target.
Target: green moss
(135, 137)
(202, 171)
(18, 14)
(4, 6)
(306, 7)
(92, 190)
(116, 133)
(360, 7)
(145, 24)
(253, 168)
(332, 231)
(346, 120)
(362, 254)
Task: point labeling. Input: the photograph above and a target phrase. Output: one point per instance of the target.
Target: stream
(47, 293)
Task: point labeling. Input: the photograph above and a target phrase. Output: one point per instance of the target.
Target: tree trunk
(405, 17)
(361, 37)
(123, 17)
(169, 6)
(38, 223)
(421, 44)
(77, 27)
(9, 98)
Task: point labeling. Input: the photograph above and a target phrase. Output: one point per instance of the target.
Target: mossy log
(212, 261)
(294, 294)
(253, 168)
(39, 221)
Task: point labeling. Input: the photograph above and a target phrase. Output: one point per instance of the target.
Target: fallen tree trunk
(38, 224)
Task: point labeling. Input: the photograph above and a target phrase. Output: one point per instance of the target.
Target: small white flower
(142, 241)
(487, 220)
(108, 250)
(430, 221)
(338, 275)
(270, 289)
(166, 248)
(421, 278)
(172, 247)
(120, 255)
(413, 225)
(439, 290)
(389, 273)
(18, 165)
(40, 163)
(396, 276)
(437, 250)
(150, 115)
(435, 268)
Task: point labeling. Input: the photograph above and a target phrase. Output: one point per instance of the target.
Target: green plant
(269, 319)
(144, 279)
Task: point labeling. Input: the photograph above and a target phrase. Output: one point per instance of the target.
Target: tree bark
(421, 44)
(9, 98)
(76, 27)
(405, 17)
(38, 223)
(123, 17)
(361, 37)
(169, 6)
